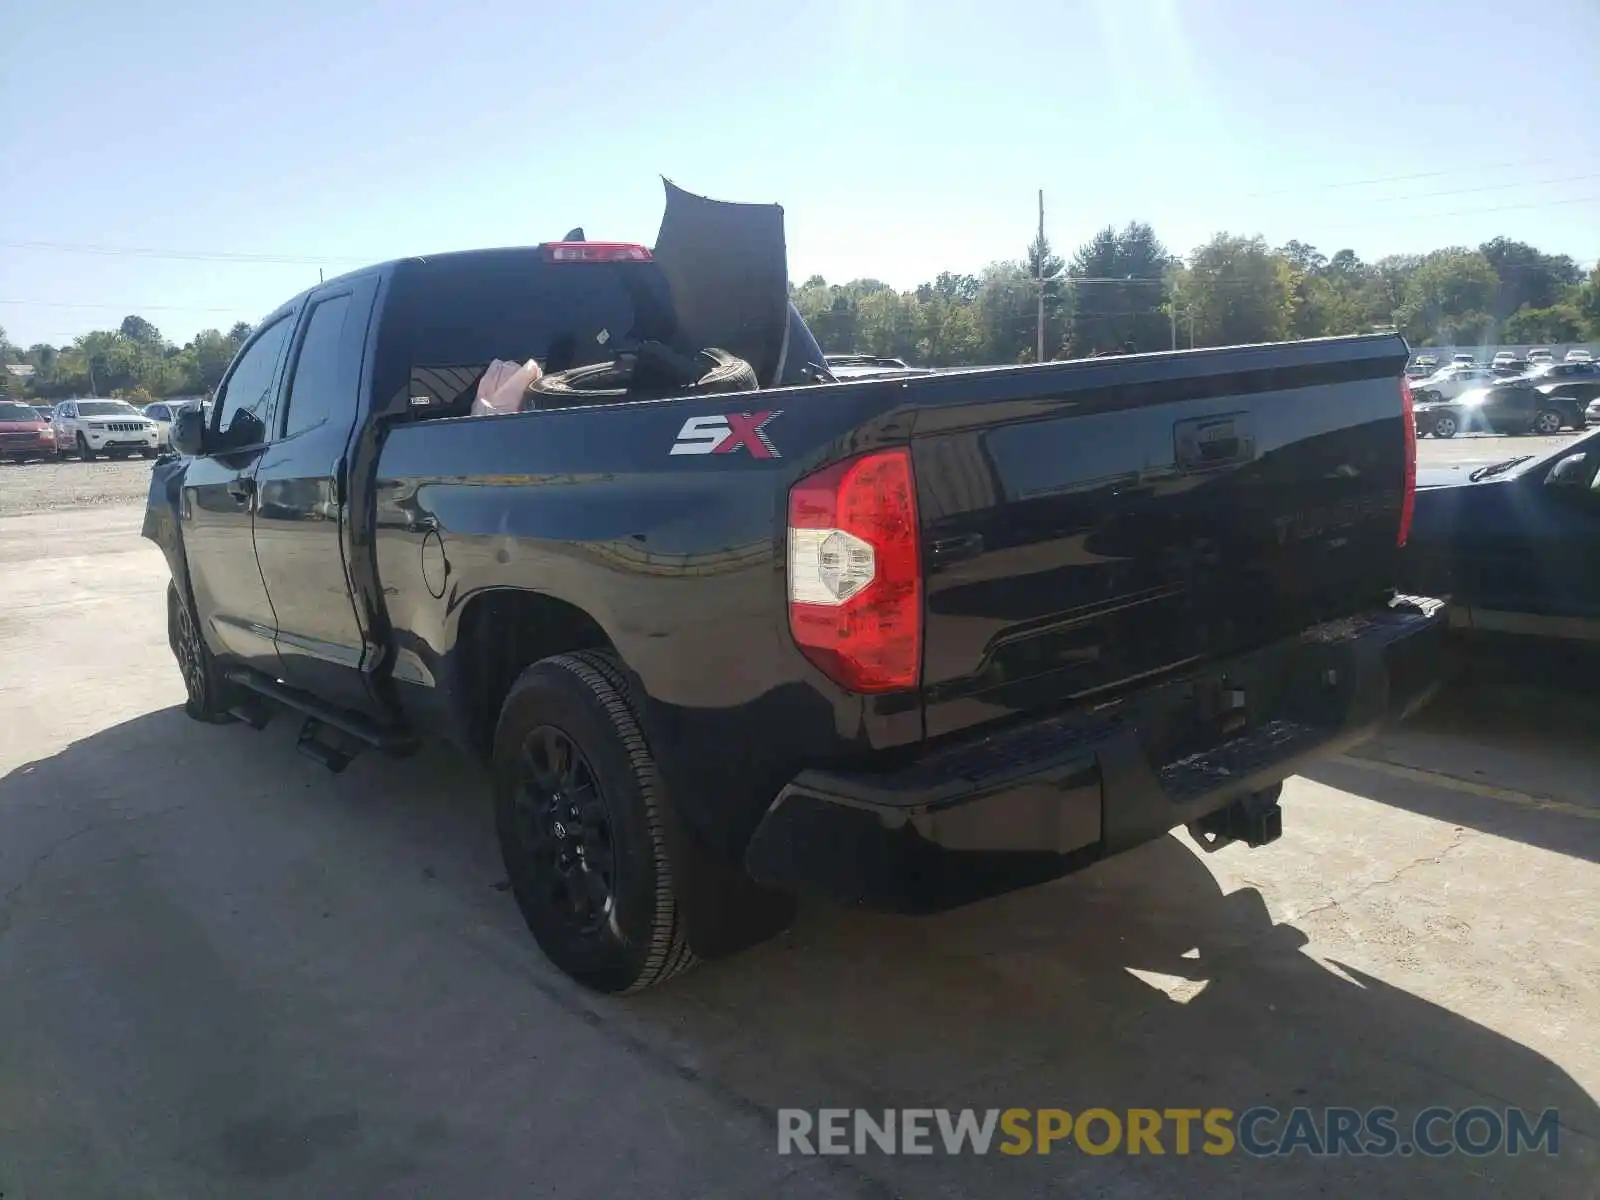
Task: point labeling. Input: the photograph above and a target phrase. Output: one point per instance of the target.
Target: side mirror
(1572, 476)
(188, 435)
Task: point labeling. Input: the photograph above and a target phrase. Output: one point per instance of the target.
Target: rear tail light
(596, 252)
(1408, 497)
(855, 579)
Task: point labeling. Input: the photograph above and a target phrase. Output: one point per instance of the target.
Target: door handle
(242, 488)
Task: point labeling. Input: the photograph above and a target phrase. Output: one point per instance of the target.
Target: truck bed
(1084, 524)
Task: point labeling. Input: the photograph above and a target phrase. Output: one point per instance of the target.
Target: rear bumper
(994, 813)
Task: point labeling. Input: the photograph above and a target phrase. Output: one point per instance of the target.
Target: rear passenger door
(302, 487)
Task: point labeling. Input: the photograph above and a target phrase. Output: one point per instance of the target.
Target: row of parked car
(85, 429)
(1504, 361)
(1543, 398)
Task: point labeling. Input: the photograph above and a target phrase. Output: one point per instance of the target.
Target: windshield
(17, 412)
(106, 408)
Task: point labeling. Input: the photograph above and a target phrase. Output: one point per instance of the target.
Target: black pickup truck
(905, 642)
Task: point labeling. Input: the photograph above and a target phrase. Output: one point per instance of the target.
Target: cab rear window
(454, 315)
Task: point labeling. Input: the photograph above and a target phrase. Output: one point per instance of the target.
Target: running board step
(335, 757)
(363, 729)
(252, 710)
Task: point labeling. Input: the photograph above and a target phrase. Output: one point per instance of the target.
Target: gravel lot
(42, 486)
(225, 972)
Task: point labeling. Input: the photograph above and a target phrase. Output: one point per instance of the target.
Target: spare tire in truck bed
(653, 371)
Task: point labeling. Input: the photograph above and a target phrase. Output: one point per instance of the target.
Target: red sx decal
(746, 430)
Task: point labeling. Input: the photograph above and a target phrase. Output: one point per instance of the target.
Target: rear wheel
(581, 816)
(1548, 421)
(1445, 425)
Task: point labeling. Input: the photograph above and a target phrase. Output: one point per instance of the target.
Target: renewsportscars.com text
(1260, 1132)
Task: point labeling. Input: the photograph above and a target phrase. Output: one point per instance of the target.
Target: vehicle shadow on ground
(1138, 984)
(1496, 755)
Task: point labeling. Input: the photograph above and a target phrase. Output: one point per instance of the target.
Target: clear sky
(902, 136)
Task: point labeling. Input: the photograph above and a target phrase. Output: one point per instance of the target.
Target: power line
(1491, 187)
(250, 257)
(131, 308)
(1313, 187)
(1464, 212)
(238, 256)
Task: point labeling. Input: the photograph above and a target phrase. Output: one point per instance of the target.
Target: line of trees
(133, 361)
(1122, 286)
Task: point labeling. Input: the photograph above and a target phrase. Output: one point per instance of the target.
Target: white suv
(115, 427)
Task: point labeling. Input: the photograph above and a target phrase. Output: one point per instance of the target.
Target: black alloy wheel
(583, 821)
(564, 827)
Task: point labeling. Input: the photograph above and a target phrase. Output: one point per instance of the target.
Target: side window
(157, 412)
(319, 388)
(245, 397)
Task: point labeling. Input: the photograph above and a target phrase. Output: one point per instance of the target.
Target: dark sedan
(1514, 545)
(1521, 405)
(1576, 380)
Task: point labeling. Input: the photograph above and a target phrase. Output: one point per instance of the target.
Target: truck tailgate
(1149, 513)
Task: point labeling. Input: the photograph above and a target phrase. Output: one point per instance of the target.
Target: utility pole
(1040, 357)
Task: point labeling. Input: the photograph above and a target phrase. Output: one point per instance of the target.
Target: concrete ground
(225, 972)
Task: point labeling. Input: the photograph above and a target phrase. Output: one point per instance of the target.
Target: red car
(24, 434)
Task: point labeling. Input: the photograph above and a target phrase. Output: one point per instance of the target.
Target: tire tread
(667, 952)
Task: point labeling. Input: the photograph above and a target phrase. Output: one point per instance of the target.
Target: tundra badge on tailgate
(727, 432)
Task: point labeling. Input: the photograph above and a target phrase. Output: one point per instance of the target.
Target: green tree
(1446, 296)
(1120, 290)
(1557, 323)
(888, 323)
(137, 329)
(1006, 312)
(1239, 291)
(43, 356)
(1588, 304)
(1306, 260)
(1527, 278)
(951, 335)
(210, 353)
(110, 360)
